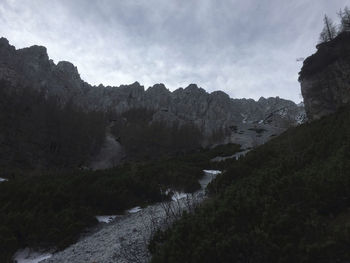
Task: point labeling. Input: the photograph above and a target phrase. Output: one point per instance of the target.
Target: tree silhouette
(329, 31)
(344, 16)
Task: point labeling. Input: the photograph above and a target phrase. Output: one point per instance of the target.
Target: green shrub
(39, 132)
(286, 201)
(51, 209)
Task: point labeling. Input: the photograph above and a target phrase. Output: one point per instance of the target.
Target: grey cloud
(245, 48)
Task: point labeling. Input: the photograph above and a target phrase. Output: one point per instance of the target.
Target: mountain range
(219, 118)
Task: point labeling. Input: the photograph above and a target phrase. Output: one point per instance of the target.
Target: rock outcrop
(325, 77)
(209, 111)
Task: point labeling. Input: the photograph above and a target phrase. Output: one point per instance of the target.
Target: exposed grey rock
(209, 111)
(110, 155)
(325, 77)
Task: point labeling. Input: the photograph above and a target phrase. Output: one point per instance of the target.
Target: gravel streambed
(125, 239)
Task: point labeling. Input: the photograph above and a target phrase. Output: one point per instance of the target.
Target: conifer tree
(344, 16)
(329, 31)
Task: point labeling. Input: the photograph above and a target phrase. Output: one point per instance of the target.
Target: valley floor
(125, 239)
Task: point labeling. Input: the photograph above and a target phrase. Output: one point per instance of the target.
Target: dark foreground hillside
(286, 201)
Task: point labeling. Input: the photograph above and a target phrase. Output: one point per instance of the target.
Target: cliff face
(325, 77)
(210, 112)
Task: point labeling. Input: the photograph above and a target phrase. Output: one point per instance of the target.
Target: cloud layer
(245, 48)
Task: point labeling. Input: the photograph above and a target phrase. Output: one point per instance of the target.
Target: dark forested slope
(286, 201)
(38, 132)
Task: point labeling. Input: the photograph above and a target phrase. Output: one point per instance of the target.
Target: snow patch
(175, 195)
(212, 172)
(134, 210)
(239, 154)
(178, 195)
(235, 156)
(245, 117)
(105, 219)
(209, 175)
(3, 180)
(29, 256)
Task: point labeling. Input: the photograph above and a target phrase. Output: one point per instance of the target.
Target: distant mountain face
(325, 77)
(210, 112)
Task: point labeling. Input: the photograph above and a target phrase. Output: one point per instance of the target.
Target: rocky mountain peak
(324, 77)
(158, 88)
(4, 44)
(67, 68)
(220, 95)
(210, 112)
(34, 52)
(6, 50)
(193, 88)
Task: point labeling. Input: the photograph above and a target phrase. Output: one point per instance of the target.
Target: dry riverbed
(124, 239)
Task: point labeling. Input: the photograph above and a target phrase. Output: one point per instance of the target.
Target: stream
(124, 238)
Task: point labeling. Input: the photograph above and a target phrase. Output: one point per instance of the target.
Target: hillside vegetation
(145, 139)
(37, 131)
(51, 209)
(286, 201)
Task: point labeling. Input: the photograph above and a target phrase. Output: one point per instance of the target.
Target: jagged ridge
(210, 112)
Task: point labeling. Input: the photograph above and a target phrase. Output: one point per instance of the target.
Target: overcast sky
(247, 48)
